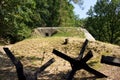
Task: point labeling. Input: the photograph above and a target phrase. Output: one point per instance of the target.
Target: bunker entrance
(46, 34)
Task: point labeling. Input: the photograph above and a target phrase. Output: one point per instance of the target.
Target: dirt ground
(58, 70)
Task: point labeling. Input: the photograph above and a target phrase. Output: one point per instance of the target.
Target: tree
(48, 10)
(79, 22)
(103, 21)
(18, 18)
(66, 14)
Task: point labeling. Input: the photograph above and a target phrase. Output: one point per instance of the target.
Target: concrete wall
(49, 31)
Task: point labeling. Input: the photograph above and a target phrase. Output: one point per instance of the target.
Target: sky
(86, 5)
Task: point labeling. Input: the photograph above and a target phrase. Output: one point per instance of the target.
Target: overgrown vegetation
(18, 18)
(34, 52)
(103, 21)
(75, 32)
(69, 32)
(44, 46)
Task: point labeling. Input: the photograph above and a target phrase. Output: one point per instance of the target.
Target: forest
(19, 17)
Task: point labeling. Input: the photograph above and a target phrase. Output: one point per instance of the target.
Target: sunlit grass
(69, 32)
(34, 52)
(36, 48)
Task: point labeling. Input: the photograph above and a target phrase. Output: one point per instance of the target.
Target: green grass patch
(69, 32)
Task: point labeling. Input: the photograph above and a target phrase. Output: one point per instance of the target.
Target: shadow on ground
(8, 72)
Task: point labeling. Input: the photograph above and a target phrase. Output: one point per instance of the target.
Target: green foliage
(79, 22)
(15, 19)
(103, 21)
(66, 15)
(48, 10)
(18, 18)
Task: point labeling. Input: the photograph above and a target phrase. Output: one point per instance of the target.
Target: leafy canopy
(103, 21)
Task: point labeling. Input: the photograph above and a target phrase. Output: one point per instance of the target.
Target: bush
(16, 34)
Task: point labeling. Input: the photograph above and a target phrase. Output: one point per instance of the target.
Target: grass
(34, 52)
(36, 48)
(63, 32)
(69, 32)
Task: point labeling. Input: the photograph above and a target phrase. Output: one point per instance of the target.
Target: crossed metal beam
(19, 67)
(110, 60)
(79, 62)
(76, 63)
